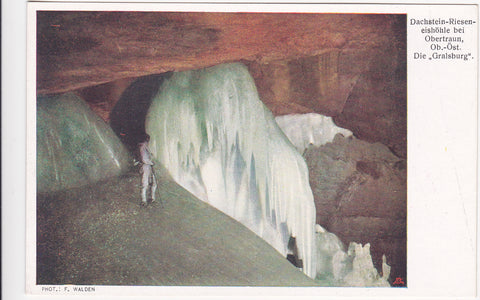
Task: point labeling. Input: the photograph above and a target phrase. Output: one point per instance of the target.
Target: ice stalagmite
(217, 139)
(337, 267)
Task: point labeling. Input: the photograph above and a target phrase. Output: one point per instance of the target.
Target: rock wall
(361, 196)
(363, 88)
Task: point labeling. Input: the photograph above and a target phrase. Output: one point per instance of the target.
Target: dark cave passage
(127, 118)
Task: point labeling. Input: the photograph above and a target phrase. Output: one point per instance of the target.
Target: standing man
(149, 182)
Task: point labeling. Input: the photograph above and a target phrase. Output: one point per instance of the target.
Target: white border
(426, 278)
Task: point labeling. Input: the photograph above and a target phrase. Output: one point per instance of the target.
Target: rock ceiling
(348, 66)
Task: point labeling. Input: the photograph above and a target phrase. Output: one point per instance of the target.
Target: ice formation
(352, 268)
(309, 129)
(74, 146)
(217, 139)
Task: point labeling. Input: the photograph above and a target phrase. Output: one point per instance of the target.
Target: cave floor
(100, 235)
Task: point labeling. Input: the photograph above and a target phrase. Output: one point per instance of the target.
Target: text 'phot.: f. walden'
(68, 289)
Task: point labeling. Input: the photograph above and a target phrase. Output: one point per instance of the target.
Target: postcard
(249, 149)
